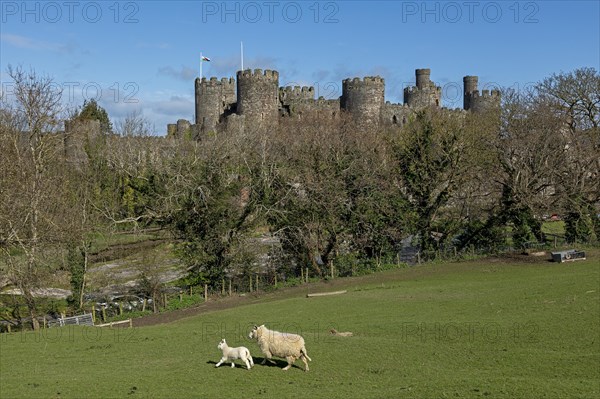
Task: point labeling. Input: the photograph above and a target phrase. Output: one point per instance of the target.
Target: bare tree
(574, 98)
(30, 184)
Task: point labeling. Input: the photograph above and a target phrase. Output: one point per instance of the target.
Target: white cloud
(183, 73)
(34, 44)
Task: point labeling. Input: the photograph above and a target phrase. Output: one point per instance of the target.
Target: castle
(257, 102)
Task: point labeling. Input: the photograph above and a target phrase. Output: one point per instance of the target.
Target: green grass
(477, 329)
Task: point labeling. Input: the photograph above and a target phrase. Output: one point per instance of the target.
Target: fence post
(250, 279)
(306, 274)
(144, 304)
(180, 297)
(331, 268)
(223, 286)
(165, 299)
(275, 279)
(120, 308)
(256, 285)
(8, 325)
(93, 313)
(229, 287)
(191, 290)
(419, 258)
(205, 292)
(302, 274)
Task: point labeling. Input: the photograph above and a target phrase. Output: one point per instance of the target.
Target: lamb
(285, 345)
(230, 354)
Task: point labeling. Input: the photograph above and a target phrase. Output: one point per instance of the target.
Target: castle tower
(425, 93)
(258, 98)
(213, 97)
(476, 101)
(80, 134)
(364, 99)
(470, 86)
(423, 78)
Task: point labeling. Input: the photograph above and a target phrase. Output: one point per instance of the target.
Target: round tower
(209, 103)
(470, 86)
(423, 76)
(258, 98)
(364, 98)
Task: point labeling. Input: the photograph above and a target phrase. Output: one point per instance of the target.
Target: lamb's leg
(232, 364)
(247, 363)
(220, 362)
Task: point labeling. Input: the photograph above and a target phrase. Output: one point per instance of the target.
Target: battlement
(258, 74)
(486, 94)
(213, 82)
(296, 93)
(366, 81)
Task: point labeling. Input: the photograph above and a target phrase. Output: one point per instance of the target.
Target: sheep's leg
(290, 360)
(268, 356)
(247, 364)
(232, 364)
(220, 362)
(305, 362)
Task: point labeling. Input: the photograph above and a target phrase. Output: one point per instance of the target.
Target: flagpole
(242, 53)
(201, 61)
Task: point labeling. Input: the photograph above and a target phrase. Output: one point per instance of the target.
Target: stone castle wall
(259, 102)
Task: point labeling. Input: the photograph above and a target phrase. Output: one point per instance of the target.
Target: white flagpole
(242, 53)
(201, 61)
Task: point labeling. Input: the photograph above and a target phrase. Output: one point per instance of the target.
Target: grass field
(487, 328)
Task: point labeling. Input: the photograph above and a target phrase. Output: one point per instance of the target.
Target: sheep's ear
(255, 327)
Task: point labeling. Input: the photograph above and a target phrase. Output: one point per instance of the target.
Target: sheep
(285, 345)
(230, 354)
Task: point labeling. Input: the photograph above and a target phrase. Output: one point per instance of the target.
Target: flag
(205, 59)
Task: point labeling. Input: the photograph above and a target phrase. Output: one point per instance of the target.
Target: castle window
(395, 120)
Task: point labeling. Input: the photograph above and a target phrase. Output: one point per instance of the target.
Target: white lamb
(285, 345)
(231, 354)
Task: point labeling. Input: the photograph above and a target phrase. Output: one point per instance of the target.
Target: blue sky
(144, 55)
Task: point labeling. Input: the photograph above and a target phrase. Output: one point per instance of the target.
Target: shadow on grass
(257, 362)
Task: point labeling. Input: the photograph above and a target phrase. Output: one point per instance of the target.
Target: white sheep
(285, 345)
(231, 354)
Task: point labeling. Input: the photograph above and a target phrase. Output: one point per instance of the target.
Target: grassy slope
(480, 329)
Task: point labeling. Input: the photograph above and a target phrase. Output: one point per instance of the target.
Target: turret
(476, 101)
(470, 86)
(425, 93)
